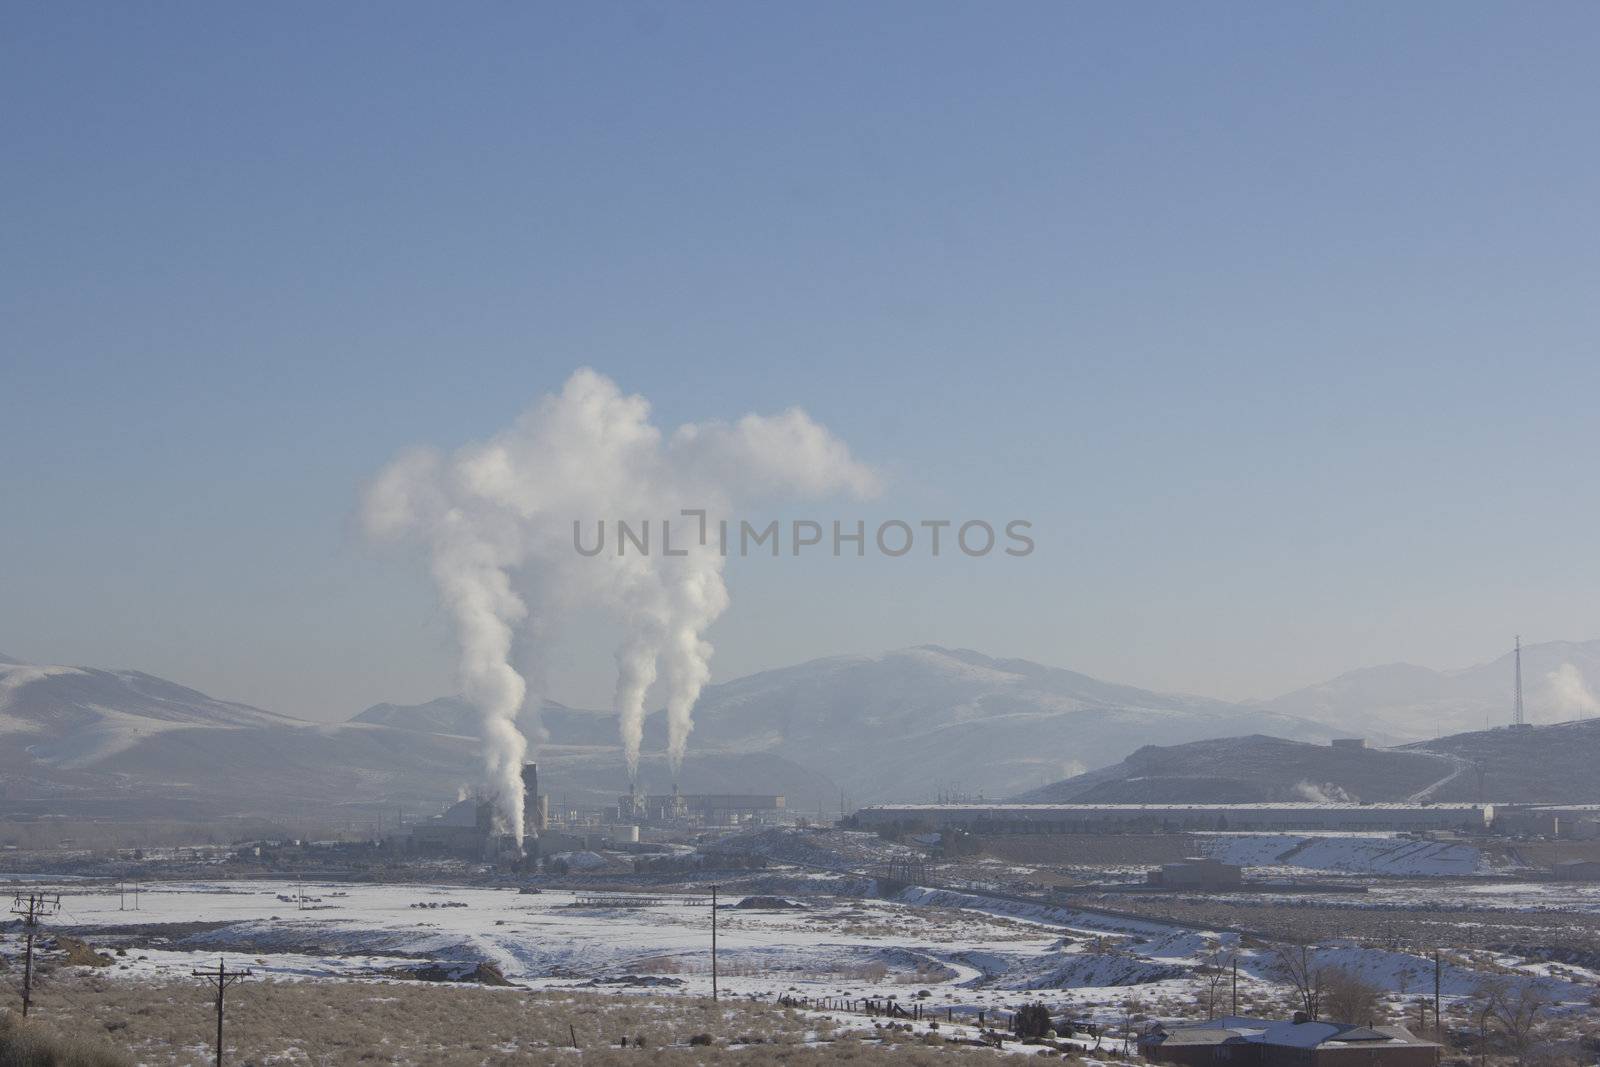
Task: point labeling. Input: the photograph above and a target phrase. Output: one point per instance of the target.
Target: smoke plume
(496, 522)
(1325, 793)
(1570, 696)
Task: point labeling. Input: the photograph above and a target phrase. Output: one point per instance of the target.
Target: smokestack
(490, 518)
(535, 806)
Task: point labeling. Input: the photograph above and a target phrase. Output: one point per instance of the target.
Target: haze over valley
(904, 725)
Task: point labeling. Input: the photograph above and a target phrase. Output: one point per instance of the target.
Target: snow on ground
(1580, 897)
(968, 959)
(969, 951)
(1349, 853)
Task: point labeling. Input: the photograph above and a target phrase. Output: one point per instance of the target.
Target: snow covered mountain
(77, 740)
(904, 725)
(897, 726)
(1560, 680)
(79, 716)
(907, 724)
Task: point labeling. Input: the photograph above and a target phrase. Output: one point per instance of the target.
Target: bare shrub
(1347, 997)
(29, 1044)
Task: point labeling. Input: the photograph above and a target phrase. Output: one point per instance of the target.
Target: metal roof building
(1241, 1042)
(1092, 818)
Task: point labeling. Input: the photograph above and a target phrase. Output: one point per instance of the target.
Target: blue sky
(1278, 322)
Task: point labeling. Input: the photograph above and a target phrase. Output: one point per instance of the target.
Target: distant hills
(1247, 770)
(1560, 681)
(1538, 764)
(904, 725)
(907, 724)
(1554, 763)
(76, 740)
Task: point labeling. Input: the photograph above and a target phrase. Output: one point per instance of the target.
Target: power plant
(697, 809)
(471, 829)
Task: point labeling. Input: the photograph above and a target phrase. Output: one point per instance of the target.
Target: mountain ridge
(1411, 703)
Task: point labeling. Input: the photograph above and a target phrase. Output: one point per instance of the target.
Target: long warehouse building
(1147, 818)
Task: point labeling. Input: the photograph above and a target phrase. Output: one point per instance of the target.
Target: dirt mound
(80, 954)
(763, 903)
(483, 974)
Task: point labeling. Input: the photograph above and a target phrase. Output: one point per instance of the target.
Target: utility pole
(1236, 986)
(221, 979)
(1437, 983)
(31, 908)
(713, 944)
(1521, 720)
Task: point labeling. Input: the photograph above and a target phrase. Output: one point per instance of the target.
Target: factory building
(463, 831)
(467, 828)
(1197, 873)
(704, 809)
(1155, 818)
(1577, 822)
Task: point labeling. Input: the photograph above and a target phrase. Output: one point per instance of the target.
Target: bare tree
(1132, 1009)
(1515, 1009)
(1297, 965)
(1348, 997)
(1215, 970)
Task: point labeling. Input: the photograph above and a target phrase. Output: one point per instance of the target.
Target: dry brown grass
(332, 1024)
(28, 1044)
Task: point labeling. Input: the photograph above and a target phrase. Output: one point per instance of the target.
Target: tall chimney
(534, 817)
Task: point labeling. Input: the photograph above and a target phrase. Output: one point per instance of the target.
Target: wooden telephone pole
(1439, 978)
(31, 908)
(221, 979)
(713, 944)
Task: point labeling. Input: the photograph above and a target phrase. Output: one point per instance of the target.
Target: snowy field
(827, 948)
(967, 951)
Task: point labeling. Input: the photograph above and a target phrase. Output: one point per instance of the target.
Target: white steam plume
(496, 520)
(1569, 693)
(1326, 793)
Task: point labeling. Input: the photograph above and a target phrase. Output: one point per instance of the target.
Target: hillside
(79, 740)
(1243, 770)
(82, 741)
(899, 726)
(902, 725)
(896, 726)
(1553, 764)
(1411, 703)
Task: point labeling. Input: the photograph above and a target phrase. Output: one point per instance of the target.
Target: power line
(31, 908)
(1521, 719)
(220, 979)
